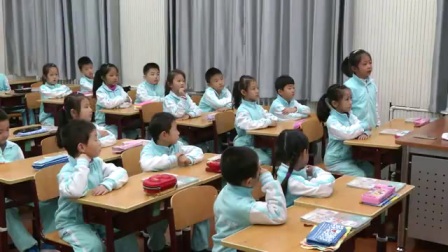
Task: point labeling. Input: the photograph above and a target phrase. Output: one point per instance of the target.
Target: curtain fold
(439, 80)
(60, 31)
(261, 38)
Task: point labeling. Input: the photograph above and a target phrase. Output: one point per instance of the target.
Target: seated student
(250, 116)
(285, 107)
(85, 65)
(110, 95)
(85, 172)
(22, 239)
(235, 208)
(216, 97)
(163, 152)
(50, 89)
(5, 87)
(150, 90)
(177, 101)
(334, 108)
(298, 178)
(77, 107)
(4, 84)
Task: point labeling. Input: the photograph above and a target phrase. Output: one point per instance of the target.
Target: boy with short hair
(163, 152)
(85, 65)
(150, 90)
(235, 208)
(216, 97)
(22, 239)
(285, 107)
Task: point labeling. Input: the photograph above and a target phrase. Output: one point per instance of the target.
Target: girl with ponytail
(296, 177)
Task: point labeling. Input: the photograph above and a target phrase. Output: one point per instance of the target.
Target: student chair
(47, 188)
(36, 85)
(256, 192)
(32, 105)
(49, 145)
(131, 160)
(133, 94)
(266, 107)
(75, 88)
(14, 119)
(196, 99)
(199, 209)
(224, 123)
(147, 112)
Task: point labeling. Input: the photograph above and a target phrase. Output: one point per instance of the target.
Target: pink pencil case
(128, 145)
(421, 121)
(298, 123)
(377, 194)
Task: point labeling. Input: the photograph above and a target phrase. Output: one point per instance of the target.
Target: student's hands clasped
(289, 110)
(99, 190)
(363, 137)
(182, 160)
(273, 124)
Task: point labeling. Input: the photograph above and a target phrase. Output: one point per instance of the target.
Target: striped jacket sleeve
(320, 185)
(114, 177)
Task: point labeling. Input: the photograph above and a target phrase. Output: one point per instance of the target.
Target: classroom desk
(380, 149)
(424, 164)
(121, 208)
(37, 138)
(197, 129)
(347, 199)
(11, 99)
(26, 82)
(267, 137)
(53, 106)
(17, 183)
(286, 237)
(119, 117)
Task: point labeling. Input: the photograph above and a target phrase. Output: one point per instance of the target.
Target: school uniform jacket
(364, 100)
(211, 100)
(149, 92)
(279, 104)
(107, 140)
(4, 84)
(107, 98)
(299, 184)
(236, 209)
(180, 106)
(250, 116)
(48, 91)
(76, 178)
(11, 153)
(86, 84)
(156, 157)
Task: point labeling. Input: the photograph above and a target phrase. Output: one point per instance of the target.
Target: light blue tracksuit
(320, 185)
(107, 98)
(250, 116)
(20, 236)
(107, 140)
(211, 100)
(236, 209)
(364, 104)
(338, 156)
(75, 179)
(86, 84)
(4, 86)
(156, 157)
(279, 104)
(147, 92)
(180, 106)
(48, 91)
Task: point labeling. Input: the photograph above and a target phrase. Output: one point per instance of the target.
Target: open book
(394, 132)
(323, 215)
(369, 183)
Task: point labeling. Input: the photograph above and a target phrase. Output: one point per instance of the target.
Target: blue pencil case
(49, 161)
(326, 234)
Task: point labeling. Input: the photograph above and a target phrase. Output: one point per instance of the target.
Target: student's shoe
(33, 249)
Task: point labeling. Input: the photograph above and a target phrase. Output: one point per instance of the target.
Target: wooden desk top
(14, 138)
(286, 237)
(347, 199)
(197, 122)
(4, 94)
(434, 129)
(122, 111)
(131, 196)
(21, 170)
(283, 125)
(57, 101)
(22, 81)
(377, 140)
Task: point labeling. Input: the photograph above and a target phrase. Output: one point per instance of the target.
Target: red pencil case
(159, 183)
(214, 166)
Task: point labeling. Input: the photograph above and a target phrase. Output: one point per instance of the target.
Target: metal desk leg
(3, 229)
(401, 239)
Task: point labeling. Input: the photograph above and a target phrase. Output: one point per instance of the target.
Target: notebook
(326, 234)
(348, 220)
(394, 132)
(49, 161)
(369, 183)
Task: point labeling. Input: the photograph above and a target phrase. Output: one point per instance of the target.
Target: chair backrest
(131, 160)
(46, 181)
(256, 192)
(133, 94)
(36, 84)
(313, 129)
(92, 103)
(75, 88)
(189, 209)
(49, 145)
(31, 100)
(149, 110)
(224, 122)
(196, 99)
(266, 107)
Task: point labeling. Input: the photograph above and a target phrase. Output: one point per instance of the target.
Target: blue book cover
(326, 234)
